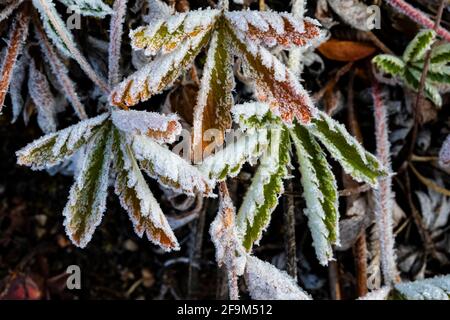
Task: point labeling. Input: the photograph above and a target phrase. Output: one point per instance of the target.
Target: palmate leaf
(417, 48)
(266, 187)
(320, 193)
(54, 148)
(92, 8)
(390, 64)
(265, 282)
(170, 169)
(357, 162)
(167, 35)
(215, 99)
(87, 199)
(228, 161)
(137, 199)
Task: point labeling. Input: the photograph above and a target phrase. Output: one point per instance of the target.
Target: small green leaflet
(320, 193)
(87, 199)
(357, 162)
(417, 48)
(267, 186)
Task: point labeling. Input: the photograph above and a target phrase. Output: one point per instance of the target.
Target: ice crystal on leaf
(408, 68)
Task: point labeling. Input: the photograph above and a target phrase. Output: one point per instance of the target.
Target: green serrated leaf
(439, 74)
(389, 64)
(54, 148)
(267, 186)
(320, 192)
(412, 78)
(92, 8)
(87, 199)
(441, 54)
(360, 164)
(417, 48)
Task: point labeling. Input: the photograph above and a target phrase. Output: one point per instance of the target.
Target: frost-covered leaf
(15, 88)
(253, 115)
(215, 99)
(389, 64)
(17, 35)
(92, 8)
(159, 127)
(52, 23)
(440, 54)
(45, 102)
(137, 199)
(320, 193)
(157, 10)
(275, 83)
(54, 148)
(229, 249)
(167, 35)
(228, 161)
(265, 282)
(170, 169)
(439, 75)
(87, 199)
(60, 71)
(437, 288)
(158, 75)
(267, 186)
(273, 28)
(417, 48)
(356, 161)
(9, 8)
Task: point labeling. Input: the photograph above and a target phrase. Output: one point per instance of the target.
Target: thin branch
(17, 36)
(61, 30)
(115, 41)
(60, 71)
(419, 17)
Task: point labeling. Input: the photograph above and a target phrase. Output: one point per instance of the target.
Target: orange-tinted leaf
(342, 50)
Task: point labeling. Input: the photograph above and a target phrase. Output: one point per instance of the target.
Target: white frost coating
(229, 249)
(229, 160)
(165, 165)
(444, 153)
(377, 295)
(335, 152)
(150, 77)
(75, 133)
(45, 102)
(6, 12)
(77, 196)
(92, 8)
(149, 207)
(242, 112)
(255, 197)
(167, 127)
(49, 28)
(265, 282)
(15, 86)
(314, 199)
(437, 288)
(157, 10)
(187, 21)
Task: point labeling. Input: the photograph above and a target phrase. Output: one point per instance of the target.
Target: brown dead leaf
(345, 50)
